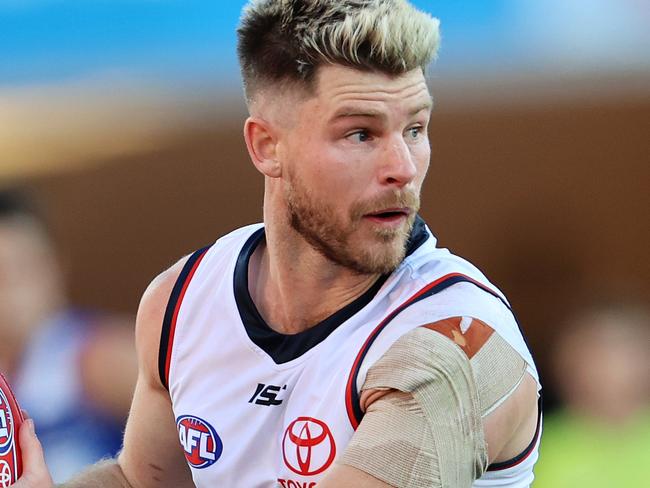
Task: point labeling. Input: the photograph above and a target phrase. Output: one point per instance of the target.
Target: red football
(11, 418)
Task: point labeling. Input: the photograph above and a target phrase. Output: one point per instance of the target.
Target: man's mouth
(389, 215)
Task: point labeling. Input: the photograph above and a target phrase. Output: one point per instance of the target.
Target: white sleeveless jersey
(258, 409)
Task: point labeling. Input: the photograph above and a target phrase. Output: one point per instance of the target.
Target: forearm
(105, 474)
(343, 476)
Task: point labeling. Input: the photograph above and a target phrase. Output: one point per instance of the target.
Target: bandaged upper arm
(428, 432)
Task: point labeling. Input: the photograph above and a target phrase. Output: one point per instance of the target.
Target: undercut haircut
(284, 42)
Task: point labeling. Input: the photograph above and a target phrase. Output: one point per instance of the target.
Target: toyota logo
(308, 446)
(5, 474)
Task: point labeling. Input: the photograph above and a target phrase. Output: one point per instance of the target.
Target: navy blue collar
(283, 348)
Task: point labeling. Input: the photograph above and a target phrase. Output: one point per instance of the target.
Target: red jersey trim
(171, 314)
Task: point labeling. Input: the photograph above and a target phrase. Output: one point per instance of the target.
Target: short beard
(317, 223)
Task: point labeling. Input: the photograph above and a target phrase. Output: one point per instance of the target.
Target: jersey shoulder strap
(171, 313)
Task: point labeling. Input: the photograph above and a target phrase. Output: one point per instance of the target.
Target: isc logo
(200, 441)
(267, 395)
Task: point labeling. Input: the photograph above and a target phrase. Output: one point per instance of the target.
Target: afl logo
(200, 441)
(6, 425)
(308, 446)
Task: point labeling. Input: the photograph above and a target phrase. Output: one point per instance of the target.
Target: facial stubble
(318, 223)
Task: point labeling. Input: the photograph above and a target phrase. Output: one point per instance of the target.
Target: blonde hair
(288, 40)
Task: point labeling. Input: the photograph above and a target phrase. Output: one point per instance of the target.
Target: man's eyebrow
(425, 105)
(352, 111)
(428, 106)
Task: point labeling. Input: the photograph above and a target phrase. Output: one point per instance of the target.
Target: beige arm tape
(429, 432)
(498, 370)
(430, 437)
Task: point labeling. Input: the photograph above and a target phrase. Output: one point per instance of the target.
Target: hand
(35, 473)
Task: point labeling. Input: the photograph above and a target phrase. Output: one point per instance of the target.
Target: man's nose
(398, 166)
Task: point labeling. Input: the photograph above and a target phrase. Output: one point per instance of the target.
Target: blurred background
(123, 121)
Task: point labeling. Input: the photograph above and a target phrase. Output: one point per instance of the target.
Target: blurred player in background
(335, 344)
(72, 370)
(601, 437)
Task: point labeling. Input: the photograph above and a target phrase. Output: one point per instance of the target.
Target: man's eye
(415, 132)
(359, 136)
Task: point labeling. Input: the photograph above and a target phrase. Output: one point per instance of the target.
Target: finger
(35, 473)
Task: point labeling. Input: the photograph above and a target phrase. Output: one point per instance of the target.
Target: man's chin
(381, 257)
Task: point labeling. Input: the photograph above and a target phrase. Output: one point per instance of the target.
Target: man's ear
(261, 141)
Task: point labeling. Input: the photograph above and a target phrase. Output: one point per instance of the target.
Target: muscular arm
(151, 456)
(505, 438)
(506, 430)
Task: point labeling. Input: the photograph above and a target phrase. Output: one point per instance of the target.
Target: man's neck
(294, 287)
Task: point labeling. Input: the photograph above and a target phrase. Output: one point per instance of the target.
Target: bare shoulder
(151, 313)
(512, 427)
(151, 455)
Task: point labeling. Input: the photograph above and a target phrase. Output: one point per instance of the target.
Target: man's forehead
(346, 89)
(334, 75)
(339, 91)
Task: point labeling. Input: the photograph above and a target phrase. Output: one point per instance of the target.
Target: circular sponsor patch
(308, 446)
(5, 474)
(10, 420)
(202, 445)
(6, 425)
